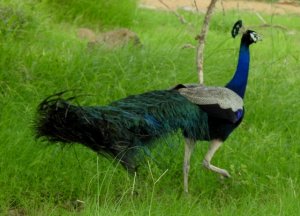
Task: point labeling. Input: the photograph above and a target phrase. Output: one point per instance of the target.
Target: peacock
(122, 128)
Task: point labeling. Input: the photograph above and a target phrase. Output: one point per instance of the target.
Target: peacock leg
(188, 149)
(214, 146)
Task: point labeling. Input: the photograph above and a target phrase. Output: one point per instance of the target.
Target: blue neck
(239, 81)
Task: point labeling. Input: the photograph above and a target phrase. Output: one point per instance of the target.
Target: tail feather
(122, 127)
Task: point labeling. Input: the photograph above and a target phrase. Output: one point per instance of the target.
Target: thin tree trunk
(201, 38)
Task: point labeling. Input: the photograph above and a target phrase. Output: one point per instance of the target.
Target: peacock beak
(259, 38)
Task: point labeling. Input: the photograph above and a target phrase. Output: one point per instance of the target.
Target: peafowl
(121, 128)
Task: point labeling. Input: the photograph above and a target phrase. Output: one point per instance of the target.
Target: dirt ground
(282, 7)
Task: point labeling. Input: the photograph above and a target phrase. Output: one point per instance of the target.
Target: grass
(94, 12)
(40, 55)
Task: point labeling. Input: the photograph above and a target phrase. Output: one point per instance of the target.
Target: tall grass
(98, 13)
(262, 154)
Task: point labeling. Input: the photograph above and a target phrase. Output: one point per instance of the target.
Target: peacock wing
(219, 102)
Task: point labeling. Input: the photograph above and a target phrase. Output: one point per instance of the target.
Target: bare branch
(180, 17)
(261, 18)
(201, 38)
(223, 8)
(188, 46)
(266, 25)
(196, 6)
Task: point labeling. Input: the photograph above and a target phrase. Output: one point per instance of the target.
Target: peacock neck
(239, 81)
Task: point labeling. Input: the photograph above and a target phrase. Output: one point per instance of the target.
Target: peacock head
(249, 37)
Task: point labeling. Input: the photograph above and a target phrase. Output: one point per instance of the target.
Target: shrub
(12, 21)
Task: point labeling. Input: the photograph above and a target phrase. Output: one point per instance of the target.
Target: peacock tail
(124, 127)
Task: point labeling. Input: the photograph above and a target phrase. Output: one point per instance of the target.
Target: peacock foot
(213, 168)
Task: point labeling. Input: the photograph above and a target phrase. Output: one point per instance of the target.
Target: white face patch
(254, 36)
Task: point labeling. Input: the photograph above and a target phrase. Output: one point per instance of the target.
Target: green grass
(97, 13)
(41, 55)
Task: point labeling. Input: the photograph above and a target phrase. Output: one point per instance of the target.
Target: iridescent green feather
(124, 127)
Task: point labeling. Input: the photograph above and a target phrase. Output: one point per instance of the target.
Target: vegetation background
(40, 54)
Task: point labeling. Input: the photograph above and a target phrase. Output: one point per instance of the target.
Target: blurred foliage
(12, 21)
(101, 12)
